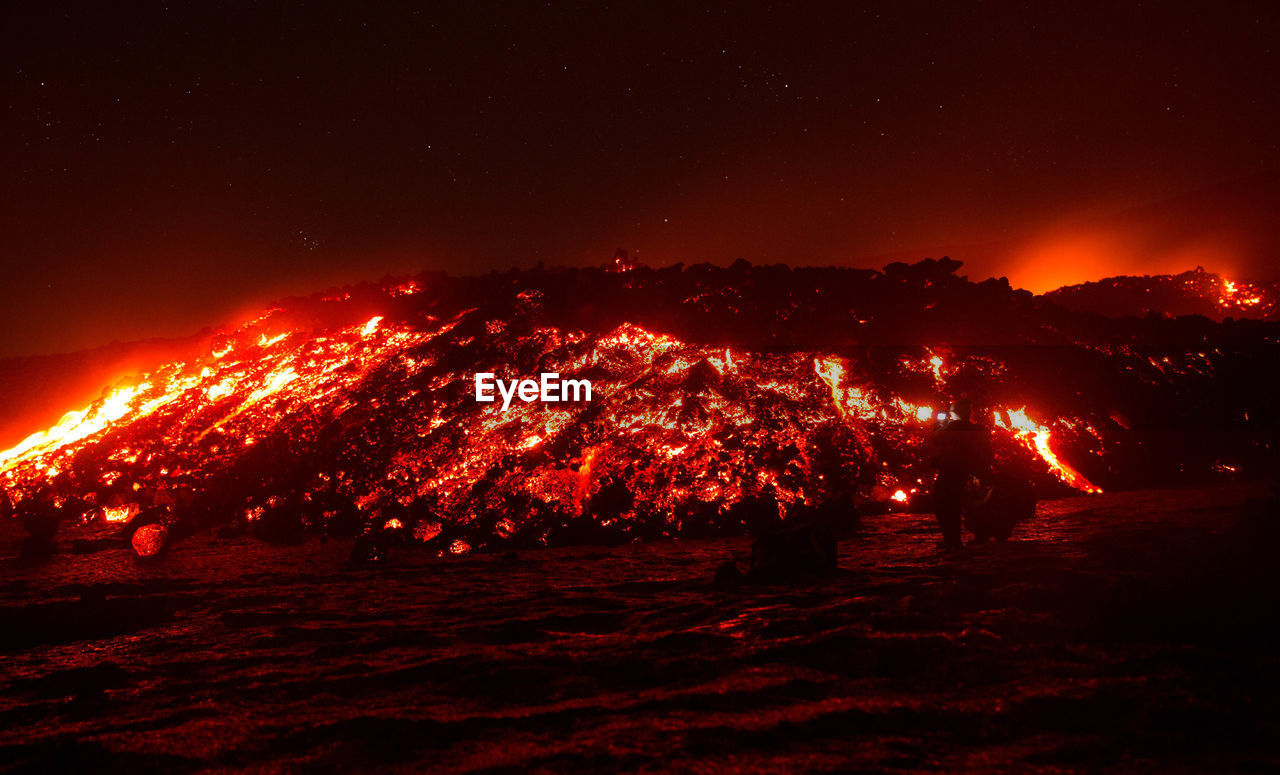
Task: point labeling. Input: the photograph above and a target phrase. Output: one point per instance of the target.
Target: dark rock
(728, 575)
(802, 553)
(368, 550)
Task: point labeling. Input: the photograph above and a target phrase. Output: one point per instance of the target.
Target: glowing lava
(73, 427)
(1037, 437)
(369, 422)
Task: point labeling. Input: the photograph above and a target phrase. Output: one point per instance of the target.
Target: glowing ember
(848, 401)
(426, 531)
(1239, 295)
(120, 513)
(936, 363)
(900, 496)
(407, 288)
(832, 372)
(149, 540)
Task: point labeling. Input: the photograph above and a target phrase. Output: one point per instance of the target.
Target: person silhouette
(961, 450)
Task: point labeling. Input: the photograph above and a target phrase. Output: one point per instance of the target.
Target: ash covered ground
(1129, 632)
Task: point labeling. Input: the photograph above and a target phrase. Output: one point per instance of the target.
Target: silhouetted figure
(1009, 500)
(799, 548)
(961, 451)
(728, 575)
(41, 517)
(797, 553)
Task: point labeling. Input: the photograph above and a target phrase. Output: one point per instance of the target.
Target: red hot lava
(372, 420)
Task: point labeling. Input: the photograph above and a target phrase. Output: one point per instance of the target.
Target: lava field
(716, 390)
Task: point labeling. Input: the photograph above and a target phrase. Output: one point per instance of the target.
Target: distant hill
(1195, 292)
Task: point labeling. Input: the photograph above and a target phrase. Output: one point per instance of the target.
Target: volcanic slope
(715, 391)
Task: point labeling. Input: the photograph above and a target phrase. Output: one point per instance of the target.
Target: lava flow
(713, 388)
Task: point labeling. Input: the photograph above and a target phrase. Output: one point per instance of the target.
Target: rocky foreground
(1129, 632)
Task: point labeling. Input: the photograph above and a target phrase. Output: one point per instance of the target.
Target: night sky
(171, 167)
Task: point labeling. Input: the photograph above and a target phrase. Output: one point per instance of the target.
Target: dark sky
(166, 167)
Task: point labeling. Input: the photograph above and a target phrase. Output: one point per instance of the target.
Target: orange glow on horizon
(1067, 256)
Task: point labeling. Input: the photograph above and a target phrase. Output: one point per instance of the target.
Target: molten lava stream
(1036, 437)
